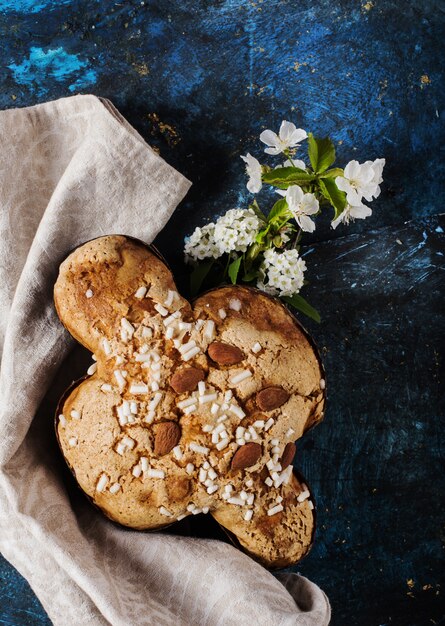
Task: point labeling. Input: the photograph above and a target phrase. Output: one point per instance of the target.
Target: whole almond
(186, 379)
(224, 353)
(246, 456)
(288, 455)
(271, 398)
(167, 436)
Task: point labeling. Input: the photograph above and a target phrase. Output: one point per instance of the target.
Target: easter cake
(187, 408)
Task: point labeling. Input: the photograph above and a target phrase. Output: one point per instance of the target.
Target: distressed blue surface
(18, 605)
(200, 81)
(216, 73)
(374, 462)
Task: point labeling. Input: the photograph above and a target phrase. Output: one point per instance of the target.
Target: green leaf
(321, 153)
(333, 173)
(332, 193)
(198, 275)
(252, 252)
(258, 212)
(262, 234)
(249, 276)
(282, 177)
(279, 209)
(299, 303)
(234, 269)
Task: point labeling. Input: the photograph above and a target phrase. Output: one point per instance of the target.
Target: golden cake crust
(190, 409)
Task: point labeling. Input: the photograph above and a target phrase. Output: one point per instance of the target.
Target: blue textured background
(200, 81)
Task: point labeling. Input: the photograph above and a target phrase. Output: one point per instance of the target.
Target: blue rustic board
(200, 80)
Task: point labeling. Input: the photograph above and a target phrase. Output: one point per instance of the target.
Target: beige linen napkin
(72, 170)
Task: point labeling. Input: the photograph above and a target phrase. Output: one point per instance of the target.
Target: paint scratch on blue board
(37, 70)
(29, 6)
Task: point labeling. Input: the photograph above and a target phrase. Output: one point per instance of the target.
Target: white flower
(236, 230)
(201, 244)
(270, 290)
(350, 212)
(253, 169)
(294, 163)
(289, 136)
(361, 180)
(377, 180)
(301, 205)
(285, 234)
(282, 272)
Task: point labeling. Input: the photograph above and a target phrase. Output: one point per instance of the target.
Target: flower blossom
(361, 180)
(233, 232)
(285, 234)
(294, 163)
(289, 136)
(201, 244)
(350, 212)
(377, 166)
(301, 205)
(253, 169)
(236, 230)
(282, 273)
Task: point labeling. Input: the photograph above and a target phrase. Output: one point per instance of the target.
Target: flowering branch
(245, 245)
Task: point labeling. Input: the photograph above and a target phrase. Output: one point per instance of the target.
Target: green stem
(225, 270)
(288, 156)
(298, 238)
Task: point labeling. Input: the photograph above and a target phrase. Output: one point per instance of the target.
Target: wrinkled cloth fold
(72, 170)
